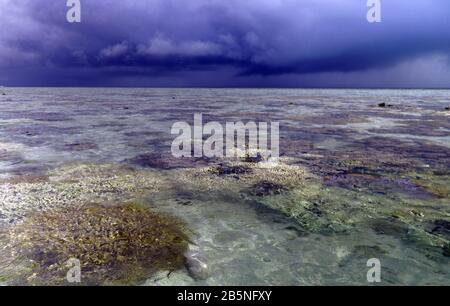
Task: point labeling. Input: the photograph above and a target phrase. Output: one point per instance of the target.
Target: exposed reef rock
(237, 176)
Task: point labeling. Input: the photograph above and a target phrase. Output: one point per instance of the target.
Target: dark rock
(150, 160)
(266, 188)
(441, 172)
(314, 209)
(165, 161)
(230, 170)
(389, 227)
(274, 216)
(80, 146)
(446, 250)
(49, 116)
(447, 108)
(363, 252)
(184, 202)
(441, 227)
(298, 231)
(368, 251)
(254, 159)
(382, 104)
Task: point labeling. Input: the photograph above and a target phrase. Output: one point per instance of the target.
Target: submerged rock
(266, 188)
(368, 251)
(254, 159)
(165, 162)
(446, 250)
(151, 160)
(441, 227)
(196, 264)
(230, 169)
(80, 146)
(391, 227)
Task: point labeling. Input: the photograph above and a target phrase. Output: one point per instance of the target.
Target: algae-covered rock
(114, 244)
(224, 169)
(441, 227)
(266, 188)
(446, 250)
(368, 251)
(391, 227)
(165, 161)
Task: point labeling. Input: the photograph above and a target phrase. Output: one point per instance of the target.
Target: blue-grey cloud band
(225, 43)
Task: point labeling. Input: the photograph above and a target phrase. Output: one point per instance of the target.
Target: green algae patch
(114, 244)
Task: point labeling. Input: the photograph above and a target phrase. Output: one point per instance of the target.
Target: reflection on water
(356, 180)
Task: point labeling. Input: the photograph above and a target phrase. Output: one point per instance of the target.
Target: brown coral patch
(114, 244)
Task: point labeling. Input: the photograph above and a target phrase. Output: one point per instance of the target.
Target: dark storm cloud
(119, 42)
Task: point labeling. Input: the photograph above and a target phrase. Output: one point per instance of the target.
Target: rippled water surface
(355, 181)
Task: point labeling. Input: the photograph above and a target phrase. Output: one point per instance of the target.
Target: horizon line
(233, 87)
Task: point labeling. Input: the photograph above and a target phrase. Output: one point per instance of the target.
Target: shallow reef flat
(73, 185)
(273, 211)
(362, 174)
(293, 223)
(408, 201)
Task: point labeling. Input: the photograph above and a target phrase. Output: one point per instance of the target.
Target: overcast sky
(225, 43)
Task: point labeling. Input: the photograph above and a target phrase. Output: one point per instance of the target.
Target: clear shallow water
(375, 170)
